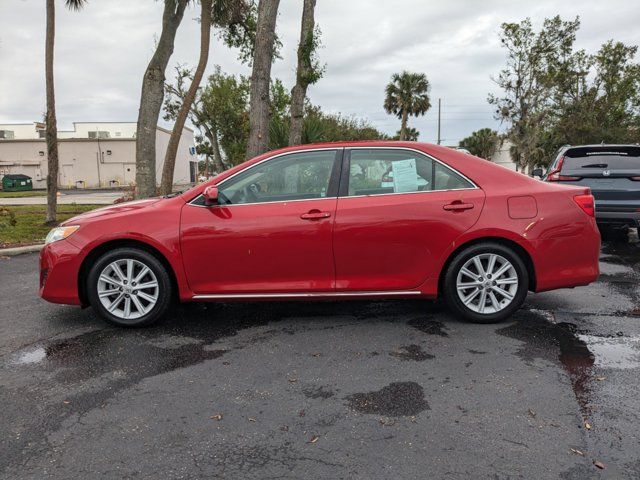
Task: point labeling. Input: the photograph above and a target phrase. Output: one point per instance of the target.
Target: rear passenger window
(379, 171)
(383, 171)
(447, 179)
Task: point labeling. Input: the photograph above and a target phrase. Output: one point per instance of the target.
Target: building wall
(503, 156)
(91, 163)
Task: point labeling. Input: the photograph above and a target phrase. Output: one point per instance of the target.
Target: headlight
(60, 233)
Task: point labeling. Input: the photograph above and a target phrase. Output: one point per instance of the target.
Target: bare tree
(51, 130)
(176, 134)
(263, 53)
(151, 99)
(309, 71)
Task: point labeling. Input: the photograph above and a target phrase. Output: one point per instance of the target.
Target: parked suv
(612, 172)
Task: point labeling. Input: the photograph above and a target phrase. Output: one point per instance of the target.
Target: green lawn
(29, 193)
(30, 228)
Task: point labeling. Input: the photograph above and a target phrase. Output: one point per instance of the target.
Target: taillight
(636, 179)
(586, 203)
(554, 176)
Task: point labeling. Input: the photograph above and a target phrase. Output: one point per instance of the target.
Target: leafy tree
(309, 69)
(482, 143)
(51, 129)
(151, 99)
(407, 95)
(225, 100)
(263, 55)
(206, 144)
(599, 101)
(535, 62)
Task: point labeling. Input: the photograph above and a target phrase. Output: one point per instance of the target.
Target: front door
(399, 210)
(271, 232)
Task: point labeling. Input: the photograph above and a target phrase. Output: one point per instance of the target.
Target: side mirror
(210, 195)
(538, 172)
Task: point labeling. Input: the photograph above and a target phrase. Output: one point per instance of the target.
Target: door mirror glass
(211, 195)
(537, 172)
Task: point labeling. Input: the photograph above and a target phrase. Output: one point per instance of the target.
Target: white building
(502, 156)
(92, 155)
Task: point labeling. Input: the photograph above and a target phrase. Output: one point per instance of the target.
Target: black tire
(164, 299)
(454, 302)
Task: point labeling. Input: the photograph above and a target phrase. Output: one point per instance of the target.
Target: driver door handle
(315, 215)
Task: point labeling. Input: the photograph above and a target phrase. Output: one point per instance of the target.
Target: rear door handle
(315, 215)
(458, 206)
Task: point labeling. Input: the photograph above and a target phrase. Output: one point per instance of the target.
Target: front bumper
(59, 267)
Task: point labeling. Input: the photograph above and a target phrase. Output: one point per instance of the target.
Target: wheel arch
(513, 245)
(102, 248)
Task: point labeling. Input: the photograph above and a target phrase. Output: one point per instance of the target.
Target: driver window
(297, 176)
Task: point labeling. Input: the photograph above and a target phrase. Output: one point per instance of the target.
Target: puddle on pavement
(578, 352)
(620, 353)
(399, 399)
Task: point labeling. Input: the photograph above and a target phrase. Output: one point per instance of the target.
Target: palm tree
(407, 94)
(482, 143)
(51, 131)
(151, 99)
(263, 52)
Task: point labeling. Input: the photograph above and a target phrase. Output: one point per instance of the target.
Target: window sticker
(405, 176)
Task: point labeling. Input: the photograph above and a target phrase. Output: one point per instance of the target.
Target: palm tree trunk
(403, 126)
(151, 99)
(299, 91)
(51, 132)
(172, 149)
(259, 112)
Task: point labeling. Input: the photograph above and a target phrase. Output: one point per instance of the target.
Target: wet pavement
(325, 390)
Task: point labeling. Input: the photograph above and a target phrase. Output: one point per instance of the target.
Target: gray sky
(102, 52)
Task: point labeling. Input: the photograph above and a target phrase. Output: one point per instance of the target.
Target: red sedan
(331, 221)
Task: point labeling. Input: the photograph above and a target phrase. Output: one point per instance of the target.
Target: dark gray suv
(613, 174)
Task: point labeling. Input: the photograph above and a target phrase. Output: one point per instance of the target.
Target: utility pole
(439, 116)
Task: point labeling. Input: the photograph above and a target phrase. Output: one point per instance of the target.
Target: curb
(10, 252)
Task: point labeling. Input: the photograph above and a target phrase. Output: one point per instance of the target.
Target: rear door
(398, 211)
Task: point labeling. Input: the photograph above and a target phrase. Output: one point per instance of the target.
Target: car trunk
(612, 174)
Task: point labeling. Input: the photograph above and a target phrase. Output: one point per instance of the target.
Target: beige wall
(87, 163)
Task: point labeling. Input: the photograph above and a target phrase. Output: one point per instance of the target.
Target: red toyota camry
(331, 221)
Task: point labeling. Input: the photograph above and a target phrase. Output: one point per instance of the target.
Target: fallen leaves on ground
(314, 439)
(217, 417)
(600, 465)
(577, 452)
(587, 425)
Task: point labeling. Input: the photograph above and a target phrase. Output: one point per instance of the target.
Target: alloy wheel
(128, 289)
(487, 283)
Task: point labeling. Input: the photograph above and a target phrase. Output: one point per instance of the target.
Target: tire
(492, 311)
(148, 298)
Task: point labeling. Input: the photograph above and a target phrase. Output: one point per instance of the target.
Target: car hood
(122, 208)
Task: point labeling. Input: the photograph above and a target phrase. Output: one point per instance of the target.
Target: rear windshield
(625, 158)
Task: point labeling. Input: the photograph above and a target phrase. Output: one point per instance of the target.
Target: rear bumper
(629, 218)
(571, 257)
(59, 266)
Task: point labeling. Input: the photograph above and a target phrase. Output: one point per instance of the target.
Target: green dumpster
(16, 183)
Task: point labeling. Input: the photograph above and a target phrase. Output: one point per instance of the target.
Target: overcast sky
(102, 52)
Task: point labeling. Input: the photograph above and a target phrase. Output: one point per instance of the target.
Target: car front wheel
(129, 287)
(486, 283)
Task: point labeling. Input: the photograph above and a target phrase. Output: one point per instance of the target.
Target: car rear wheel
(129, 288)
(486, 283)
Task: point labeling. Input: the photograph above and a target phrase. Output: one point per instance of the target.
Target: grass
(30, 228)
(29, 193)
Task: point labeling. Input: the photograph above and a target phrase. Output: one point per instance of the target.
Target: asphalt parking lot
(325, 390)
